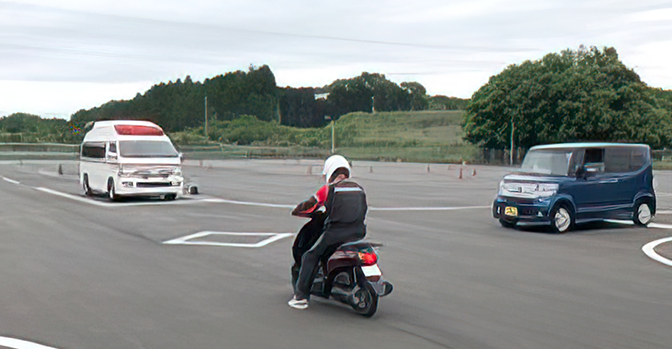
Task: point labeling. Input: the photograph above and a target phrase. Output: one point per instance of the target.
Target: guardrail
(224, 151)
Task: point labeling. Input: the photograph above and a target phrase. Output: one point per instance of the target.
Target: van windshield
(547, 161)
(147, 149)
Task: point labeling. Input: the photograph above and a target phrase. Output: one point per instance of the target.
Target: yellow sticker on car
(511, 211)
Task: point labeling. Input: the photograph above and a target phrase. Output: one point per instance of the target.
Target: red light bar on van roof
(138, 130)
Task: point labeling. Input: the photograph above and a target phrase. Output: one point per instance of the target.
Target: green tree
(580, 95)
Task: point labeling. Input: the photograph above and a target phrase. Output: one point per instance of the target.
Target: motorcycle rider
(345, 211)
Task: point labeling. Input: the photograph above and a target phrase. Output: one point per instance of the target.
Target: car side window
(638, 158)
(593, 160)
(617, 160)
(93, 150)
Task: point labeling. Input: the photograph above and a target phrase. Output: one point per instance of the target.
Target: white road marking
(116, 204)
(10, 180)
(21, 344)
(186, 239)
(663, 212)
(426, 208)
(650, 225)
(648, 249)
(247, 203)
(234, 202)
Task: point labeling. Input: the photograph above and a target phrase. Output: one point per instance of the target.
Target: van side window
(593, 158)
(617, 160)
(94, 150)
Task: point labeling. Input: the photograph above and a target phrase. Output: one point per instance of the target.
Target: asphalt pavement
(86, 273)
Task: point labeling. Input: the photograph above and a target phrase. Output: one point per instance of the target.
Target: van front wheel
(111, 192)
(642, 213)
(562, 219)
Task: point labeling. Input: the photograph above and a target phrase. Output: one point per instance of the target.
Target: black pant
(304, 240)
(328, 241)
(307, 237)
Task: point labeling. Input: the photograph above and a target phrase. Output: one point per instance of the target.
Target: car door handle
(614, 180)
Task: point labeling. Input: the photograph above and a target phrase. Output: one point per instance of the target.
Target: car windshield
(547, 161)
(147, 149)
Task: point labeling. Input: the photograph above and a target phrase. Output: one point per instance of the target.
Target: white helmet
(333, 163)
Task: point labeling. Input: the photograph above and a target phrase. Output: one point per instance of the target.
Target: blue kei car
(565, 184)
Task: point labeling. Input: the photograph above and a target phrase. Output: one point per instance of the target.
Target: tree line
(180, 105)
(575, 95)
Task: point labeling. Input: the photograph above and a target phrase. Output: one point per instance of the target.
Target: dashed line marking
(21, 344)
(187, 240)
(10, 180)
(246, 203)
(426, 208)
(116, 204)
(236, 202)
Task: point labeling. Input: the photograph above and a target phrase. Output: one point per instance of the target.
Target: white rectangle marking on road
(186, 240)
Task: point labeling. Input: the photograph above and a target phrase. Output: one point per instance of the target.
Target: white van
(129, 158)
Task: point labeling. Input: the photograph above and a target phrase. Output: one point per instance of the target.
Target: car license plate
(511, 211)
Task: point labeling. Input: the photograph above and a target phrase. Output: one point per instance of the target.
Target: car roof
(587, 145)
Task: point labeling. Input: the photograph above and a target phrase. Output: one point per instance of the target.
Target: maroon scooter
(351, 275)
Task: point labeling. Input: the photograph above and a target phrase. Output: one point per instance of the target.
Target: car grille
(153, 184)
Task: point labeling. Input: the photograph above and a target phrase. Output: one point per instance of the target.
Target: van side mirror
(111, 156)
(181, 157)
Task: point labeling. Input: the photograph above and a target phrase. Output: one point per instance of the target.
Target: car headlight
(545, 190)
(528, 190)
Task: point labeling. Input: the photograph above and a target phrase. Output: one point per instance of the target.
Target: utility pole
(332, 131)
(511, 153)
(206, 117)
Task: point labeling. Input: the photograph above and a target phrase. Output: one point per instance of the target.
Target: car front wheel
(562, 219)
(642, 214)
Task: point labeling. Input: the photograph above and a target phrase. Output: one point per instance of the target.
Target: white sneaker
(298, 303)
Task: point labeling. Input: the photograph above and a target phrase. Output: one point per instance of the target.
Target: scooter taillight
(368, 258)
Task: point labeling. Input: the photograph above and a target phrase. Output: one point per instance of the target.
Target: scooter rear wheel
(365, 301)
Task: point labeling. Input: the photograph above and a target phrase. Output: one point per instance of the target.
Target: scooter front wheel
(365, 300)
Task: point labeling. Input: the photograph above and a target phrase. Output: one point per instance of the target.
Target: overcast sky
(59, 56)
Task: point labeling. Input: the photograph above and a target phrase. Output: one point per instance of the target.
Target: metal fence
(224, 151)
(10, 151)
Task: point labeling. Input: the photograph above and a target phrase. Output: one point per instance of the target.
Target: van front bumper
(149, 186)
(521, 210)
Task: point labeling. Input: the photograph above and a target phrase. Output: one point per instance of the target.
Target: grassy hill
(422, 136)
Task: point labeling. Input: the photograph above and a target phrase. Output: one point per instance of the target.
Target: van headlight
(125, 172)
(545, 190)
(528, 190)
